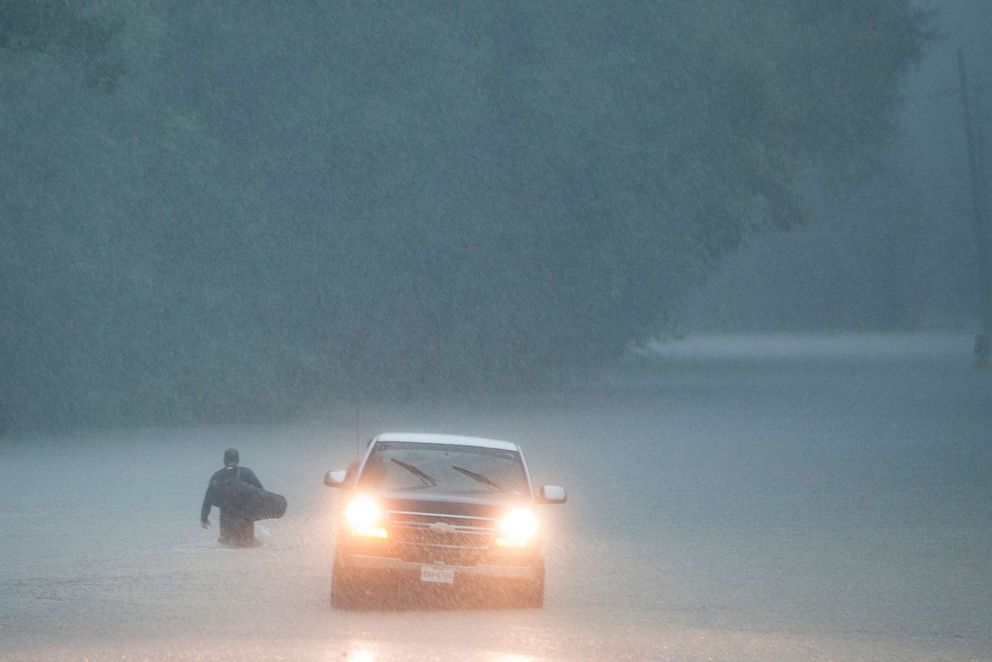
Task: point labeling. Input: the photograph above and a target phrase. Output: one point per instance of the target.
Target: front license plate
(437, 574)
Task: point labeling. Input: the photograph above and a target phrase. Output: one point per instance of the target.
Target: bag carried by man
(246, 501)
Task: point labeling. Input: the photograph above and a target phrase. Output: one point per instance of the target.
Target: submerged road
(731, 499)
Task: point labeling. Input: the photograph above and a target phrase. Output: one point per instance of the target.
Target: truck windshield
(397, 466)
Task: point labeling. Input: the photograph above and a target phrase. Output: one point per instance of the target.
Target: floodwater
(729, 499)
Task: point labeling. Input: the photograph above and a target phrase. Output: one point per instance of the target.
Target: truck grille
(438, 530)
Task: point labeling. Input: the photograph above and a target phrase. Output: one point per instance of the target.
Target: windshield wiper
(479, 477)
(415, 471)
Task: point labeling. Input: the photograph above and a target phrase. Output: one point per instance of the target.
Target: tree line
(228, 209)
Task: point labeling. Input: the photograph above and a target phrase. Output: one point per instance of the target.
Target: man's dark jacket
(223, 475)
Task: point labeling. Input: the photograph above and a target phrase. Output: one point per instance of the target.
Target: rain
(720, 269)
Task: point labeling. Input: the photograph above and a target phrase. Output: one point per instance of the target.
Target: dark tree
(287, 203)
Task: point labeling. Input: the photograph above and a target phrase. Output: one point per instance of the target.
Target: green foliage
(288, 203)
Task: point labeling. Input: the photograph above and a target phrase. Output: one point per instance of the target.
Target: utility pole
(976, 166)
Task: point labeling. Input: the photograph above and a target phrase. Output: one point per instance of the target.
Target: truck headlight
(517, 528)
(364, 517)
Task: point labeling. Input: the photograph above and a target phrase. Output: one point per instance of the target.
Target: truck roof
(422, 438)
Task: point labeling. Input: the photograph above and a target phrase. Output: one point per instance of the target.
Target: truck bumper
(399, 567)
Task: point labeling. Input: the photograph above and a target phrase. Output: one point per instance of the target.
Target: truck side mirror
(336, 478)
(552, 494)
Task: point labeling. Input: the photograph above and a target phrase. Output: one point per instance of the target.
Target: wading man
(235, 529)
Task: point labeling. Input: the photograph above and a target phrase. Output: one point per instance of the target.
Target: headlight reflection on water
(360, 654)
(363, 653)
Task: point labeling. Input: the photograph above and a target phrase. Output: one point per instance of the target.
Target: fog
(213, 213)
(715, 266)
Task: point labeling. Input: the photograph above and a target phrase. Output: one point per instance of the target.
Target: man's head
(230, 457)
